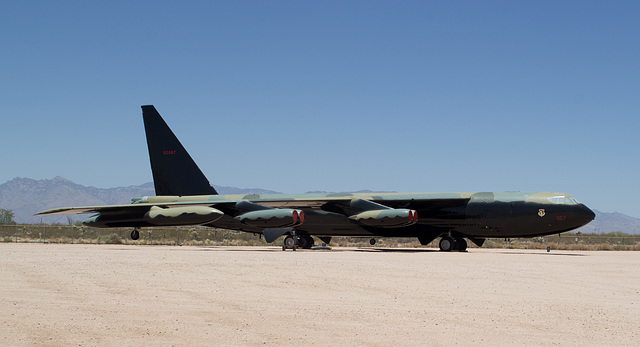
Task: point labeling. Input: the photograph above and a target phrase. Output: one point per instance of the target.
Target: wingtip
(53, 211)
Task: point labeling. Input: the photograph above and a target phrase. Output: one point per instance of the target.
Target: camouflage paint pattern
(479, 214)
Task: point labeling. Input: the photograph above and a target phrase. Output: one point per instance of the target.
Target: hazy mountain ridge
(607, 222)
(26, 196)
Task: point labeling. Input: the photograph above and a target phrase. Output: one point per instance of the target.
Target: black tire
(302, 242)
(461, 244)
(305, 242)
(289, 241)
(447, 244)
(310, 242)
(135, 234)
(372, 242)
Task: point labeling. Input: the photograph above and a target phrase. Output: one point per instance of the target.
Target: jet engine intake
(272, 218)
(387, 218)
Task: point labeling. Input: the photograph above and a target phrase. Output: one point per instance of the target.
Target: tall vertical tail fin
(174, 171)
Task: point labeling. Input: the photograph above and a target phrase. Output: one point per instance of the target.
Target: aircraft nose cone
(586, 214)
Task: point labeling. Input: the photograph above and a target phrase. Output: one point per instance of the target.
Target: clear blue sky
(296, 96)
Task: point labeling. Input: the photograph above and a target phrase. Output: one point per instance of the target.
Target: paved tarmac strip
(141, 295)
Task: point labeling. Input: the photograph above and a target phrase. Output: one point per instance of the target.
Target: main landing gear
(449, 243)
(298, 241)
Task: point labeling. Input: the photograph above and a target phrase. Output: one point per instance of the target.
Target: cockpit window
(557, 199)
(565, 200)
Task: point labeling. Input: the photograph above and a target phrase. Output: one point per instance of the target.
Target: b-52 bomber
(184, 196)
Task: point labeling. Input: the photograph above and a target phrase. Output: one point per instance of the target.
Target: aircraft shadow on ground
(545, 253)
(375, 250)
(335, 249)
(395, 250)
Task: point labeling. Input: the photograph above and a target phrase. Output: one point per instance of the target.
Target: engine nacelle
(187, 215)
(272, 218)
(387, 218)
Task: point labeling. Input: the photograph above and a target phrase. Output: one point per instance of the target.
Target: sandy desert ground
(140, 295)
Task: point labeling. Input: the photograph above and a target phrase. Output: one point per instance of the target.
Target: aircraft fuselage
(481, 215)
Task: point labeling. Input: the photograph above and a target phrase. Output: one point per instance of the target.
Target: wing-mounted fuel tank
(268, 217)
(381, 216)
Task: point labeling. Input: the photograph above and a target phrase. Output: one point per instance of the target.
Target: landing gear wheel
(302, 242)
(461, 244)
(372, 242)
(305, 242)
(447, 244)
(135, 234)
(290, 242)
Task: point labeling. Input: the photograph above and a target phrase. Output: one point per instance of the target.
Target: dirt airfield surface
(141, 295)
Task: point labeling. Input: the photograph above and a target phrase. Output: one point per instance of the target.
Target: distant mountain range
(26, 196)
(611, 222)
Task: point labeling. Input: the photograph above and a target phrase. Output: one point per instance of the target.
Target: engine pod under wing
(387, 218)
(188, 215)
(173, 216)
(272, 218)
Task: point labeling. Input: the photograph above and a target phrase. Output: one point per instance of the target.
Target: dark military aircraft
(184, 196)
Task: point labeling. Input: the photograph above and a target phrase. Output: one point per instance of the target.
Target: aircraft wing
(121, 209)
(257, 213)
(81, 210)
(278, 201)
(146, 214)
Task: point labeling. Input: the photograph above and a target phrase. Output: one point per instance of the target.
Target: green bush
(114, 239)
